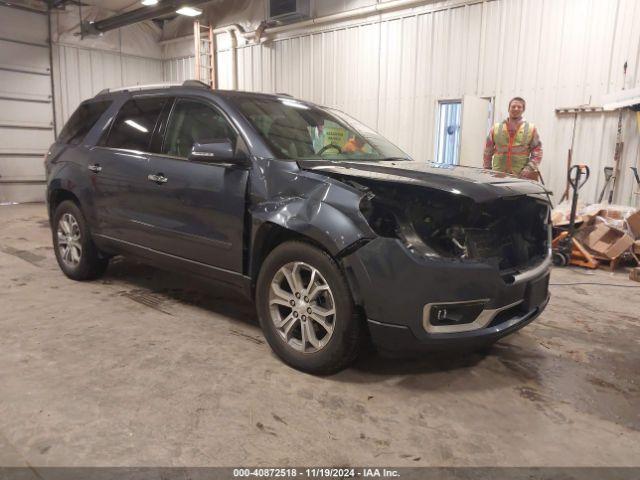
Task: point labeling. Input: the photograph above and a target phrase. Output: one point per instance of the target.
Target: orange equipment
(566, 249)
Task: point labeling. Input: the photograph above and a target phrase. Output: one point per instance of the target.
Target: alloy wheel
(302, 307)
(69, 240)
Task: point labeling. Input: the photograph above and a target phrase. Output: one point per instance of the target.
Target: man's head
(359, 141)
(517, 106)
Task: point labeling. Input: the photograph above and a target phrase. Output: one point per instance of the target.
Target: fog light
(455, 313)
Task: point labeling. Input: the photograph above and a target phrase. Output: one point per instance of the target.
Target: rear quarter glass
(83, 120)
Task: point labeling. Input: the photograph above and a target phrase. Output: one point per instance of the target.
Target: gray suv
(338, 236)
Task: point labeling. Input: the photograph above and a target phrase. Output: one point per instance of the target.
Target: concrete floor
(149, 368)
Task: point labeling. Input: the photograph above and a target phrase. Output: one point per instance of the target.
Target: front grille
(510, 234)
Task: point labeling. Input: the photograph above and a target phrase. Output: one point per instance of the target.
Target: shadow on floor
(180, 288)
(147, 283)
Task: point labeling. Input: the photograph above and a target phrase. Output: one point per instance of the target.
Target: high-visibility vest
(512, 153)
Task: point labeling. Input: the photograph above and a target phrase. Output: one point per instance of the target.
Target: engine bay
(509, 233)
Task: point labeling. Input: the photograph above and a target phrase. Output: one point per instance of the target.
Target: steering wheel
(327, 147)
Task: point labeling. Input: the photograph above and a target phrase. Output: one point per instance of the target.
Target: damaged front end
(446, 260)
(510, 233)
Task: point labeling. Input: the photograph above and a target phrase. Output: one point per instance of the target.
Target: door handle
(95, 168)
(159, 178)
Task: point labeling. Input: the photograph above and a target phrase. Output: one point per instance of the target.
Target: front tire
(306, 310)
(77, 255)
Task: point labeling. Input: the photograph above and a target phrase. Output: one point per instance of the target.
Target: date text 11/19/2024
(315, 472)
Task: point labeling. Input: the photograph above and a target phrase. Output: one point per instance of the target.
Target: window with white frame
(448, 132)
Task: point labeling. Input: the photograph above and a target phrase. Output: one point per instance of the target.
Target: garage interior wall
(26, 109)
(84, 66)
(81, 68)
(391, 70)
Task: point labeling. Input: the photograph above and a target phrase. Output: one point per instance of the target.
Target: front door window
(194, 122)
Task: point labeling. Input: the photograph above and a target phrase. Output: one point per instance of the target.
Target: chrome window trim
(144, 155)
(121, 150)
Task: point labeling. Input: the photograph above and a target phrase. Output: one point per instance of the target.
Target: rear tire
(306, 310)
(77, 255)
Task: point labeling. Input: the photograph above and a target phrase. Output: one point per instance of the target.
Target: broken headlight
(388, 219)
(508, 233)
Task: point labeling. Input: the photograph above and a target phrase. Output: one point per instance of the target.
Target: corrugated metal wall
(82, 66)
(80, 73)
(179, 60)
(179, 69)
(26, 114)
(390, 71)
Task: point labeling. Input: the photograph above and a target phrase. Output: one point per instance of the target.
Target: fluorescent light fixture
(136, 125)
(189, 11)
(149, 3)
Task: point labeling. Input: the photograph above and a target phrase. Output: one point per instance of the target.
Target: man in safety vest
(513, 146)
(355, 144)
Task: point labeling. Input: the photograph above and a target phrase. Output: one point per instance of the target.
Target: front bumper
(397, 290)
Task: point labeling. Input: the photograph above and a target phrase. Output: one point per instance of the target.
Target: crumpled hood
(479, 184)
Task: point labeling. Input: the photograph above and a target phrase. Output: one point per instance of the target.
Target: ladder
(205, 50)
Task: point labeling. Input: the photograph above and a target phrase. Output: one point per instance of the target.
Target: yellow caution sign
(334, 134)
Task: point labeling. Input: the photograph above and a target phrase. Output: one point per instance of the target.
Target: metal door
(197, 210)
(121, 166)
(26, 107)
(475, 125)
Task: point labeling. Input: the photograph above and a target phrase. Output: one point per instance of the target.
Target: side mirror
(215, 151)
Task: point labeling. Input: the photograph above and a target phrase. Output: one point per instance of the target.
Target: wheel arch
(270, 235)
(57, 196)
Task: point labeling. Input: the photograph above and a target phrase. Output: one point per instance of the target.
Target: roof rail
(134, 88)
(195, 83)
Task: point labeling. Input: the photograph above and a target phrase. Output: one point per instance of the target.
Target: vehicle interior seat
(293, 141)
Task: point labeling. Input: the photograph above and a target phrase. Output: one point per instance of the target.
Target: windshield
(298, 131)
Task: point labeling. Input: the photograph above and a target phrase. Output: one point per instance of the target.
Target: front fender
(330, 227)
(310, 204)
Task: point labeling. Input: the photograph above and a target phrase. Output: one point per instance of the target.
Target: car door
(120, 169)
(198, 208)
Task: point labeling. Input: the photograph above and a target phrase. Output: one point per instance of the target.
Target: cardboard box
(610, 213)
(614, 212)
(634, 274)
(608, 242)
(634, 224)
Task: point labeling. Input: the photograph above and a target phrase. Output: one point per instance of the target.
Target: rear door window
(194, 122)
(82, 120)
(134, 125)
